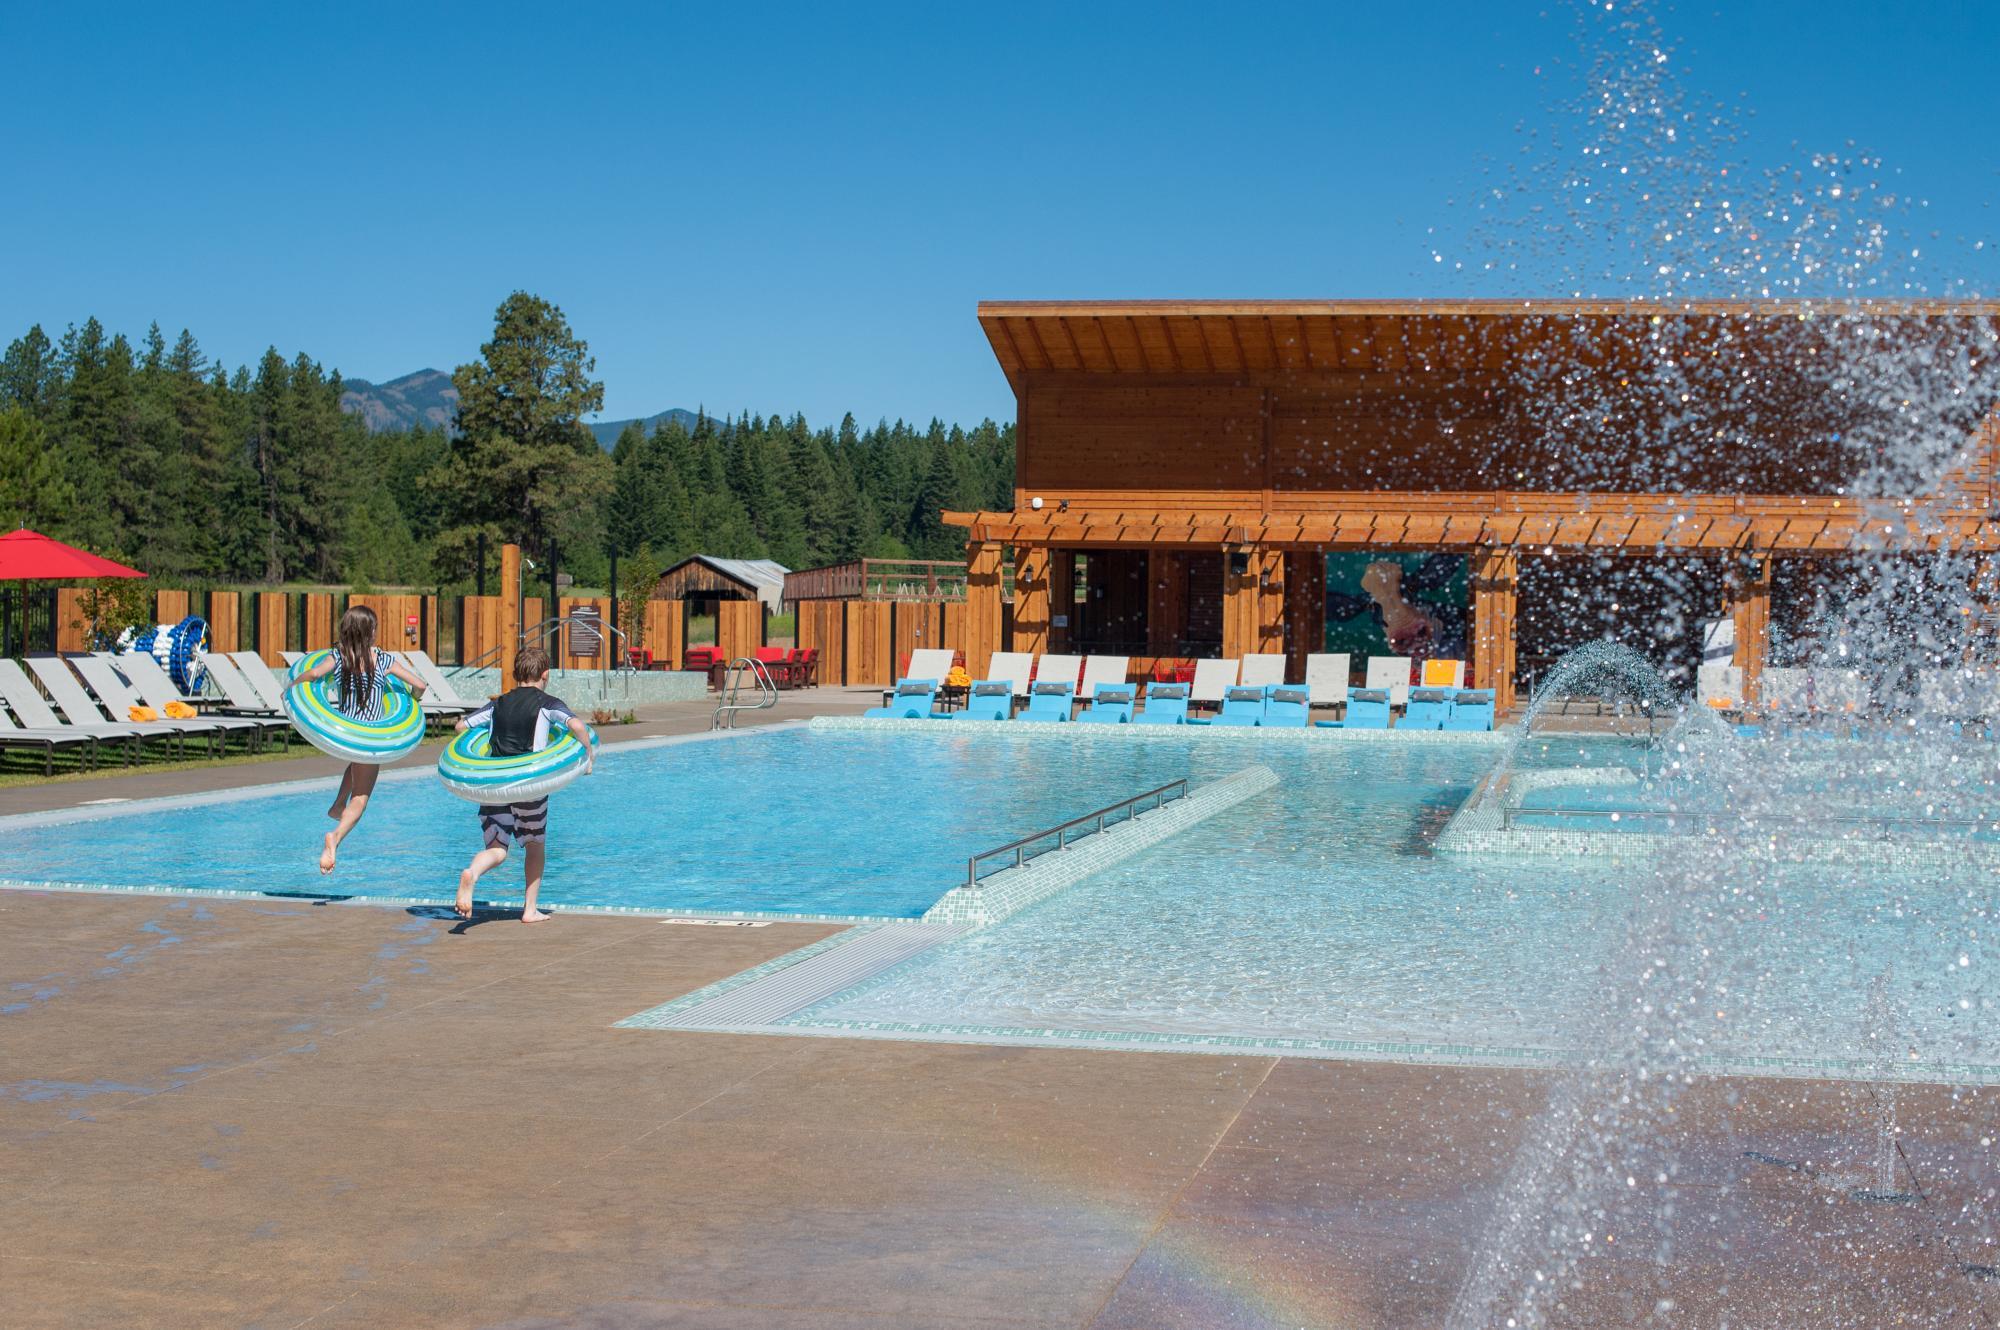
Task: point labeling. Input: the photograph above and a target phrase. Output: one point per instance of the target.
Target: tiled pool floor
(262, 1113)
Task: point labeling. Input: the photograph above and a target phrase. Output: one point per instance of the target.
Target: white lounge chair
(270, 688)
(82, 709)
(149, 679)
(291, 657)
(1392, 673)
(18, 691)
(1110, 670)
(440, 698)
(1014, 667)
(237, 692)
(1326, 678)
(1212, 681)
(1262, 669)
(1444, 674)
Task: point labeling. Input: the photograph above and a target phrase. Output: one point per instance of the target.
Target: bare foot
(534, 916)
(462, 907)
(326, 856)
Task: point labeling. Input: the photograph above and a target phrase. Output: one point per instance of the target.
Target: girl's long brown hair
(357, 656)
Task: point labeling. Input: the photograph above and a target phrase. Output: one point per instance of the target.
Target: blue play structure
(180, 649)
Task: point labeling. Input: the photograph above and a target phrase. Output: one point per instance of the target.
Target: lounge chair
(18, 691)
(912, 699)
(239, 695)
(777, 662)
(1719, 686)
(80, 710)
(1427, 710)
(1212, 678)
(1110, 704)
(291, 657)
(149, 679)
(113, 694)
(925, 663)
(1444, 674)
(1108, 670)
(47, 741)
(1060, 669)
(1013, 666)
(440, 697)
(1786, 692)
(259, 675)
(1367, 709)
(1392, 674)
(1242, 706)
(1471, 709)
(1166, 704)
(1049, 701)
(1286, 707)
(1262, 669)
(1326, 678)
(988, 699)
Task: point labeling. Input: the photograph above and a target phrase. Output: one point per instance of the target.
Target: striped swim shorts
(519, 822)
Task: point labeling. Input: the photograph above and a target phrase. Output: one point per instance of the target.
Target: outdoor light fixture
(1062, 505)
(1036, 503)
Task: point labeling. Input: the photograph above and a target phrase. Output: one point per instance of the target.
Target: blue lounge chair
(1111, 704)
(913, 699)
(1427, 709)
(1049, 701)
(1166, 704)
(989, 699)
(1471, 709)
(1367, 709)
(1242, 706)
(1287, 706)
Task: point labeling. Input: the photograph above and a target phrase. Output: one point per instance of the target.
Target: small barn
(703, 577)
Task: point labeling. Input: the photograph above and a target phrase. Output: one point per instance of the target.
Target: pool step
(818, 974)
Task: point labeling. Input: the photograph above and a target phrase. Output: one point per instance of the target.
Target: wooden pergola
(1271, 433)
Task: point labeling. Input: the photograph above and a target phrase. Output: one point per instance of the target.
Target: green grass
(22, 767)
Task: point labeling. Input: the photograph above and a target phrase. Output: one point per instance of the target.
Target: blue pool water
(1318, 912)
(791, 822)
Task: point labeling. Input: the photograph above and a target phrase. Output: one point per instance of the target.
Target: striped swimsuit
(376, 678)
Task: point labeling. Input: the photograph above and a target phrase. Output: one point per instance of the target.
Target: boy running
(522, 721)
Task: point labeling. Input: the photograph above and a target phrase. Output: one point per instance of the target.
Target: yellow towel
(181, 711)
(141, 713)
(1440, 673)
(958, 678)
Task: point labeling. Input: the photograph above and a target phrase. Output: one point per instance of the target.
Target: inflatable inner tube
(312, 710)
(470, 770)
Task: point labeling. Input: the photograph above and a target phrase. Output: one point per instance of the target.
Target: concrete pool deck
(276, 1113)
(221, 1113)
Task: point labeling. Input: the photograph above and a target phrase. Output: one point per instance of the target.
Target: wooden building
(1183, 469)
(705, 578)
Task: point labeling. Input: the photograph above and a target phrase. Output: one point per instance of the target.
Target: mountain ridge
(425, 399)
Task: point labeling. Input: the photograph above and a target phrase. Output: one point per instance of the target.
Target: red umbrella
(30, 555)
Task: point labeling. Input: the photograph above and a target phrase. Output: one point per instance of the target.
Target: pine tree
(30, 375)
(34, 492)
(524, 467)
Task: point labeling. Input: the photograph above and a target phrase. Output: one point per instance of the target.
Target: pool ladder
(732, 690)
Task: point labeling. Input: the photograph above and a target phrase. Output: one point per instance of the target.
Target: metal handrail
(1094, 820)
(538, 635)
(767, 692)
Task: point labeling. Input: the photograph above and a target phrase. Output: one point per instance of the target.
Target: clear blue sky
(796, 208)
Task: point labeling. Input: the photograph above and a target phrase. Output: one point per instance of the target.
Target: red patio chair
(639, 658)
(807, 667)
(777, 661)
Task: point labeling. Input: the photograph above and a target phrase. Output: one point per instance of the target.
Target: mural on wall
(1397, 605)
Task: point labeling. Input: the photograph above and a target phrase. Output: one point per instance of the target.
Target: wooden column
(1495, 576)
(1031, 599)
(1242, 612)
(1750, 607)
(510, 612)
(1305, 609)
(1166, 601)
(983, 619)
(1062, 598)
(1271, 601)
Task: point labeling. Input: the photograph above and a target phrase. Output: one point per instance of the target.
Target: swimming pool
(1319, 917)
(795, 822)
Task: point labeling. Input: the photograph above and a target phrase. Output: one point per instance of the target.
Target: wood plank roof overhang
(1631, 524)
(1379, 336)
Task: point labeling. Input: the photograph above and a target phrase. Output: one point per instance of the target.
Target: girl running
(358, 670)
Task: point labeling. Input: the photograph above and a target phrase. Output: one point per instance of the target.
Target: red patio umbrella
(31, 556)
